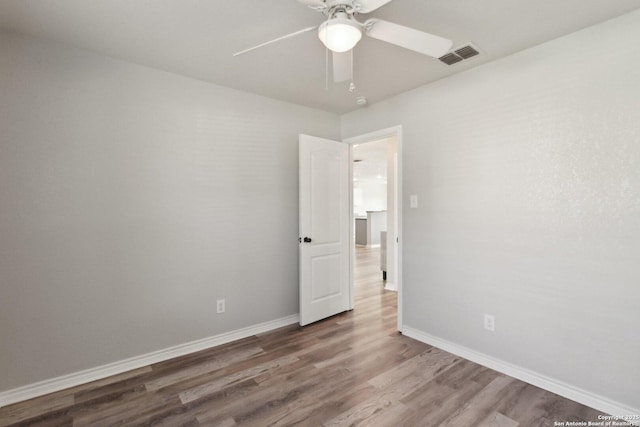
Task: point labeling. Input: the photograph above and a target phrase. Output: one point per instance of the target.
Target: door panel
(325, 276)
(325, 183)
(324, 218)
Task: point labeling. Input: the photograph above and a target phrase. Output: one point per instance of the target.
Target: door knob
(307, 239)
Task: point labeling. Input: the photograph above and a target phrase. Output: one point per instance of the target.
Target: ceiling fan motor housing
(347, 4)
(340, 33)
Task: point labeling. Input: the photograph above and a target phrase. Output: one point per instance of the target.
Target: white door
(324, 228)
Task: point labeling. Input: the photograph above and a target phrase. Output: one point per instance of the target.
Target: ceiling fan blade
(305, 30)
(409, 38)
(367, 6)
(313, 3)
(341, 66)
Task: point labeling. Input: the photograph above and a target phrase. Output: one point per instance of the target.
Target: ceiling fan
(340, 33)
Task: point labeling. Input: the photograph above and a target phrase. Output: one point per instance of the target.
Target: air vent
(459, 54)
(466, 52)
(450, 58)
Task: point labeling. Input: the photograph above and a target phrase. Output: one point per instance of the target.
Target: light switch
(413, 201)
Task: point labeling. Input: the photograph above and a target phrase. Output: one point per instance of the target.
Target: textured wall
(130, 199)
(528, 176)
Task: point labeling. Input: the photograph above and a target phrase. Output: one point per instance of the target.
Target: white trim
(390, 286)
(352, 232)
(585, 397)
(82, 377)
(372, 136)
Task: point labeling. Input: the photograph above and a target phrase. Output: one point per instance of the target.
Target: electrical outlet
(220, 306)
(490, 322)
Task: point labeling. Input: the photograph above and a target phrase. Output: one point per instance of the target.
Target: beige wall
(130, 200)
(527, 171)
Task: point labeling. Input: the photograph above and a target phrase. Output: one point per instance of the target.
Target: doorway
(376, 215)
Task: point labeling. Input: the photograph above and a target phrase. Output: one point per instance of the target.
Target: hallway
(368, 283)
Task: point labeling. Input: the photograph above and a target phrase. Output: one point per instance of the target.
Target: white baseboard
(587, 398)
(77, 378)
(390, 286)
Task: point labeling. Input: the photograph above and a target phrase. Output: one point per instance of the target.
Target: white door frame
(368, 137)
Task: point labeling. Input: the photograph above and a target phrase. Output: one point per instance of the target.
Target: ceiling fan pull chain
(352, 85)
(326, 63)
(326, 70)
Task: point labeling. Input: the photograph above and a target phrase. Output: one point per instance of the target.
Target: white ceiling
(196, 38)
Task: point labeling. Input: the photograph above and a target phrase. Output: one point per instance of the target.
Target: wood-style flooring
(351, 369)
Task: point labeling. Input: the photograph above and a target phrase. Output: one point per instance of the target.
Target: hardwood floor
(351, 369)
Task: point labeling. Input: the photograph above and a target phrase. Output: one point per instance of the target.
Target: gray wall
(528, 176)
(130, 199)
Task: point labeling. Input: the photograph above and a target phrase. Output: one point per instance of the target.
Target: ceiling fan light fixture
(339, 34)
